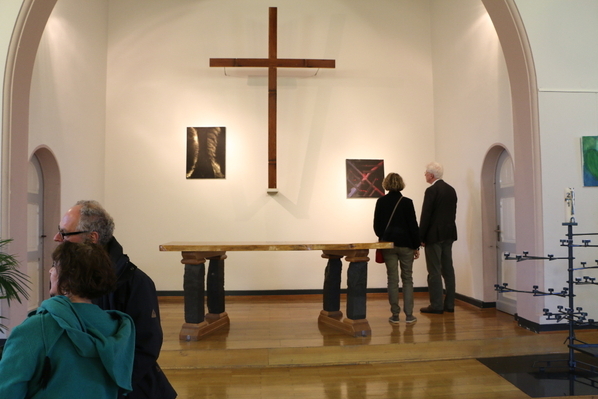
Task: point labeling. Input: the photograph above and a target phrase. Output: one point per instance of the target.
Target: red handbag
(379, 256)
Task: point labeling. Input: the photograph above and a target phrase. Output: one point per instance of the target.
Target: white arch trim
(24, 43)
(526, 158)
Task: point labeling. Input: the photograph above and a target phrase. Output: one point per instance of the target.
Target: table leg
(197, 323)
(215, 288)
(332, 285)
(193, 286)
(355, 324)
(357, 282)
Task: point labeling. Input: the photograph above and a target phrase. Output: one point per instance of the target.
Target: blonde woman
(395, 220)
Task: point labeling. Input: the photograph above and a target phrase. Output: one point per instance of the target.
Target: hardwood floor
(275, 348)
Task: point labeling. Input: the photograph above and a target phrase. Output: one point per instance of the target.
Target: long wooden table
(195, 254)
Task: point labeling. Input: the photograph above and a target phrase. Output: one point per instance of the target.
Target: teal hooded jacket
(68, 350)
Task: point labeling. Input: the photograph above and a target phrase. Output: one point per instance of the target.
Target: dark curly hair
(84, 269)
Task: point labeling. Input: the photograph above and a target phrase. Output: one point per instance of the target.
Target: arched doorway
(498, 227)
(35, 242)
(43, 214)
(490, 222)
(504, 189)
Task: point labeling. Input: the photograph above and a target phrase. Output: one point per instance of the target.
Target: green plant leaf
(14, 283)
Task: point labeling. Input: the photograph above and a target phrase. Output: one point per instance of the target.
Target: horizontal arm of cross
(265, 62)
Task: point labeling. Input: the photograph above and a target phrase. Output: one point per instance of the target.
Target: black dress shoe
(430, 309)
(449, 310)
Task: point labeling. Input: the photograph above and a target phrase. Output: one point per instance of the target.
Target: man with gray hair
(135, 294)
(438, 231)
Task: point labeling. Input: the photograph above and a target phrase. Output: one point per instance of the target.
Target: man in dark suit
(438, 231)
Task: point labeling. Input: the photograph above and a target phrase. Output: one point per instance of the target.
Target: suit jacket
(438, 213)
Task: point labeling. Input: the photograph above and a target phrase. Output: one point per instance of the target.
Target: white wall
(159, 83)
(377, 103)
(564, 40)
(402, 91)
(67, 110)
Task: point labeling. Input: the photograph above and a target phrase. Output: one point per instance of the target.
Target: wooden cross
(272, 63)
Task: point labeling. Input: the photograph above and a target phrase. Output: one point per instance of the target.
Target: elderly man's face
(429, 177)
(67, 229)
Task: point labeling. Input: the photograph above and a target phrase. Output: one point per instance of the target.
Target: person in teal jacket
(69, 347)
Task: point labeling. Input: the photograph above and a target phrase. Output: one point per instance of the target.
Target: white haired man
(438, 231)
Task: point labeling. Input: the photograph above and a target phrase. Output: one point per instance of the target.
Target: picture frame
(206, 153)
(364, 178)
(589, 160)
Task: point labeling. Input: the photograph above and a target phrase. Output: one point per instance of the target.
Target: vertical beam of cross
(272, 63)
(272, 95)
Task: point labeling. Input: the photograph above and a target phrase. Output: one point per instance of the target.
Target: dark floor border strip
(274, 292)
(472, 301)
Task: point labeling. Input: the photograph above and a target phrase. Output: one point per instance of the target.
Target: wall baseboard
(475, 302)
(274, 292)
(472, 301)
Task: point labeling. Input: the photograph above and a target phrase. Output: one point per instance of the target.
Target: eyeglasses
(63, 234)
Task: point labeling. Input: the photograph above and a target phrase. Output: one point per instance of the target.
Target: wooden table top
(190, 246)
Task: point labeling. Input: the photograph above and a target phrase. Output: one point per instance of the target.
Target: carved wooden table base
(195, 255)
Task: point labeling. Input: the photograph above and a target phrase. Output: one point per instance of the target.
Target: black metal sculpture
(575, 316)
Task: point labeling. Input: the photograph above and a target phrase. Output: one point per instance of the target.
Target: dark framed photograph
(206, 152)
(364, 178)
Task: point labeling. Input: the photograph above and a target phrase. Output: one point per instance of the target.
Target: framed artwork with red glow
(364, 178)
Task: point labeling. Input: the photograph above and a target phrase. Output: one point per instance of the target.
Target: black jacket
(135, 295)
(402, 230)
(438, 213)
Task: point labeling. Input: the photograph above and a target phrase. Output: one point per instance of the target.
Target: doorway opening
(498, 226)
(43, 215)
(504, 187)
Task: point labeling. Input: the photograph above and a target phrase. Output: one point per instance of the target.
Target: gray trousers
(439, 261)
(392, 258)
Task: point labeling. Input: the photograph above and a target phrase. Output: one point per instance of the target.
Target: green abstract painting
(589, 151)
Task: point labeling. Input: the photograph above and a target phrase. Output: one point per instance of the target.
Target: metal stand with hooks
(575, 316)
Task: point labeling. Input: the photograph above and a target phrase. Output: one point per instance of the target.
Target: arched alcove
(51, 196)
(23, 48)
(29, 28)
(489, 221)
(526, 157)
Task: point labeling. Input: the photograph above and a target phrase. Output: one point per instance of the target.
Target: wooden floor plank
(275, 348)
